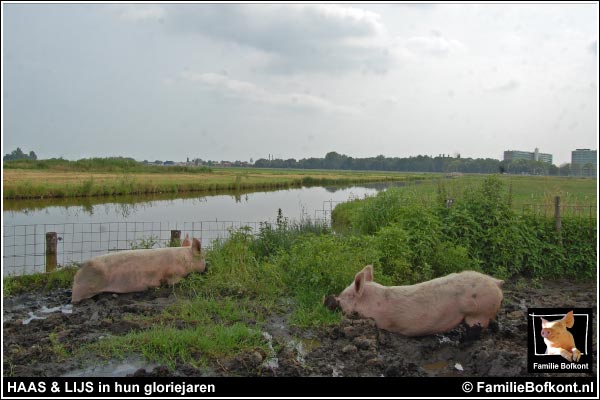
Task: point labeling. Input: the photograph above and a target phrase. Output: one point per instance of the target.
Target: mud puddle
(34, 325)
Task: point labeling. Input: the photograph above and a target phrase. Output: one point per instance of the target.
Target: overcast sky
(241, 81)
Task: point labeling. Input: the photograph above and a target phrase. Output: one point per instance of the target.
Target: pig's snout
(331, 302)
(545, 333)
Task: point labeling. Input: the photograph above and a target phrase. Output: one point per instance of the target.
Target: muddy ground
(34, 325)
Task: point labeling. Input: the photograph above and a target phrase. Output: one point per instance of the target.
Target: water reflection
(125, 206)
(93, 226)
(378, 186)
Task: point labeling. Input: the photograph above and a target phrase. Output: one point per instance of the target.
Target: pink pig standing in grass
(137, 270)
(426, 308)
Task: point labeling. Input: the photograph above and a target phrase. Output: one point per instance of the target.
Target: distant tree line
(19, 155)
(442, 163)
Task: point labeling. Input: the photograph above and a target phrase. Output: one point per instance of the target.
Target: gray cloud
(247, 91)
(315, 37)
(138, 12)
(362, 79)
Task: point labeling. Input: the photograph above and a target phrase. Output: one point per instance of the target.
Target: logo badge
(559, 340)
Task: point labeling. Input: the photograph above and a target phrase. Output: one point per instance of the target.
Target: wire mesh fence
(25, 246)
(25, 249)
(566, 211)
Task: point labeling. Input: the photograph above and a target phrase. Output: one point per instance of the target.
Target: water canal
(90, 227)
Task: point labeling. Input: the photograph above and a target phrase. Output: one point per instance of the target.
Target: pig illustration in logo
(558, 340)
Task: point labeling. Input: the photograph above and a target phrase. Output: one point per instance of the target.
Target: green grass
(524, 194)
(406, 233)
(172, 346)
(107, 164)
(39, 282)
(524, 189)
(57, 183)
(481, 230)
(57, 347)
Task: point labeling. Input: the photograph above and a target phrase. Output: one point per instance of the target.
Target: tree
(19, 155)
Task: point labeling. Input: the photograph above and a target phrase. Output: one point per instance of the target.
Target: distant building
(510, 155)
(584, 162)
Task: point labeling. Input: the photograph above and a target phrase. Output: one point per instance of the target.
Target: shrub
(320, 265)
(392, 243)
(273, 238)
(234, 269)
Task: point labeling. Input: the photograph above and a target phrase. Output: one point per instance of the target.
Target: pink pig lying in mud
(137, 270)
(426, 308)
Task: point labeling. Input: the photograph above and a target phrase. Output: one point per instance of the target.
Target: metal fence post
(51, 253)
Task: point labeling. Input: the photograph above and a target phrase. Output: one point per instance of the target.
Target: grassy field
(525, 193)
(524, 189)
(288, 268)
(31, 183)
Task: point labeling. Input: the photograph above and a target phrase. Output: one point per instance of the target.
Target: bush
(448, 258)
(319, 265)
(234, 269)
(379, 211)
(478, 231)
(392, 243)
(579, 240)
(484, 223)
(273, 238)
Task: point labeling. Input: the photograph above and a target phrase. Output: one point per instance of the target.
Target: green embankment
(66, 179)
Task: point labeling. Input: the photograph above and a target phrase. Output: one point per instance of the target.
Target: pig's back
(440, 304)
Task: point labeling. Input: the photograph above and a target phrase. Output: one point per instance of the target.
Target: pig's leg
(173, 280)
(566, 354)
(477, 320)
(559, 351)
(475, 325)
(472, 333)
(576, 354)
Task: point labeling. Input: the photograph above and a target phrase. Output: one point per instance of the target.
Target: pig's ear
(196, 245)
(368, 270)
(359, 283)
(544, 322)
(569, 319)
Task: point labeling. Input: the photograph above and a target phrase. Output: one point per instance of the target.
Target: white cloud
(248, 91)
(435, 45)
(366, 22)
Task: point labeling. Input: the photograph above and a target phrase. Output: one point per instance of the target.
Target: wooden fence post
(175, 238)
(51, 253)
(557, 220)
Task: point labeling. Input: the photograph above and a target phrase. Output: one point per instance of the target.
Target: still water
(85, 229)
(260, 206)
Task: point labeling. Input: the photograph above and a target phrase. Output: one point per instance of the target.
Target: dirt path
(37, 328)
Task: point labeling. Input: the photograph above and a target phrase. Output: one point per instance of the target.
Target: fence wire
(566, 211)
(24, 246)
